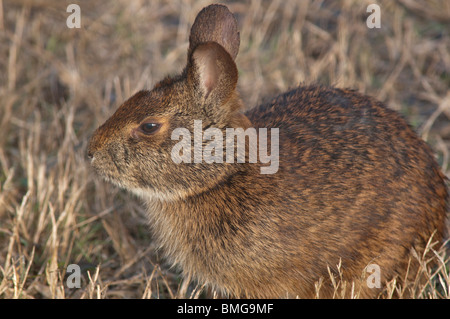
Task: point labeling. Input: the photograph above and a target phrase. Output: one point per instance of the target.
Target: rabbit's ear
(212, 73)
(217, 24)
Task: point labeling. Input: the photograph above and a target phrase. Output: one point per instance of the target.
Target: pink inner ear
(207, 70)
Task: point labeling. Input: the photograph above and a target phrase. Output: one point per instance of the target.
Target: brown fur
(355, 183)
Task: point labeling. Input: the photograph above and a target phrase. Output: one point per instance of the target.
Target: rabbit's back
(365, 187)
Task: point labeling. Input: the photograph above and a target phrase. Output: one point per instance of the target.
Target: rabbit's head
(134, 147)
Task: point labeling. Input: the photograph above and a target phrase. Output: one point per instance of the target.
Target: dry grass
(58, 84)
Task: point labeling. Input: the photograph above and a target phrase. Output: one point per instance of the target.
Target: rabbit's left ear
(217, 24)
(212, 74)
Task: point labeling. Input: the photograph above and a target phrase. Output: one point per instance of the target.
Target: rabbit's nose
(93, 146)
(89, 153)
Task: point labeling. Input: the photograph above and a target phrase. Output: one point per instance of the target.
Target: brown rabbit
(355, 185)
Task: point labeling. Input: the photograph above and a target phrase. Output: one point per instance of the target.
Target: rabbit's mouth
(107, 172)
(113, 173)
(111, 178)
(102, 172)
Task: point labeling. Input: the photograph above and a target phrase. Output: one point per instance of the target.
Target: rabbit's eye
(149, 128)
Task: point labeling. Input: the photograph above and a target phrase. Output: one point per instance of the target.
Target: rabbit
(355, 186)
